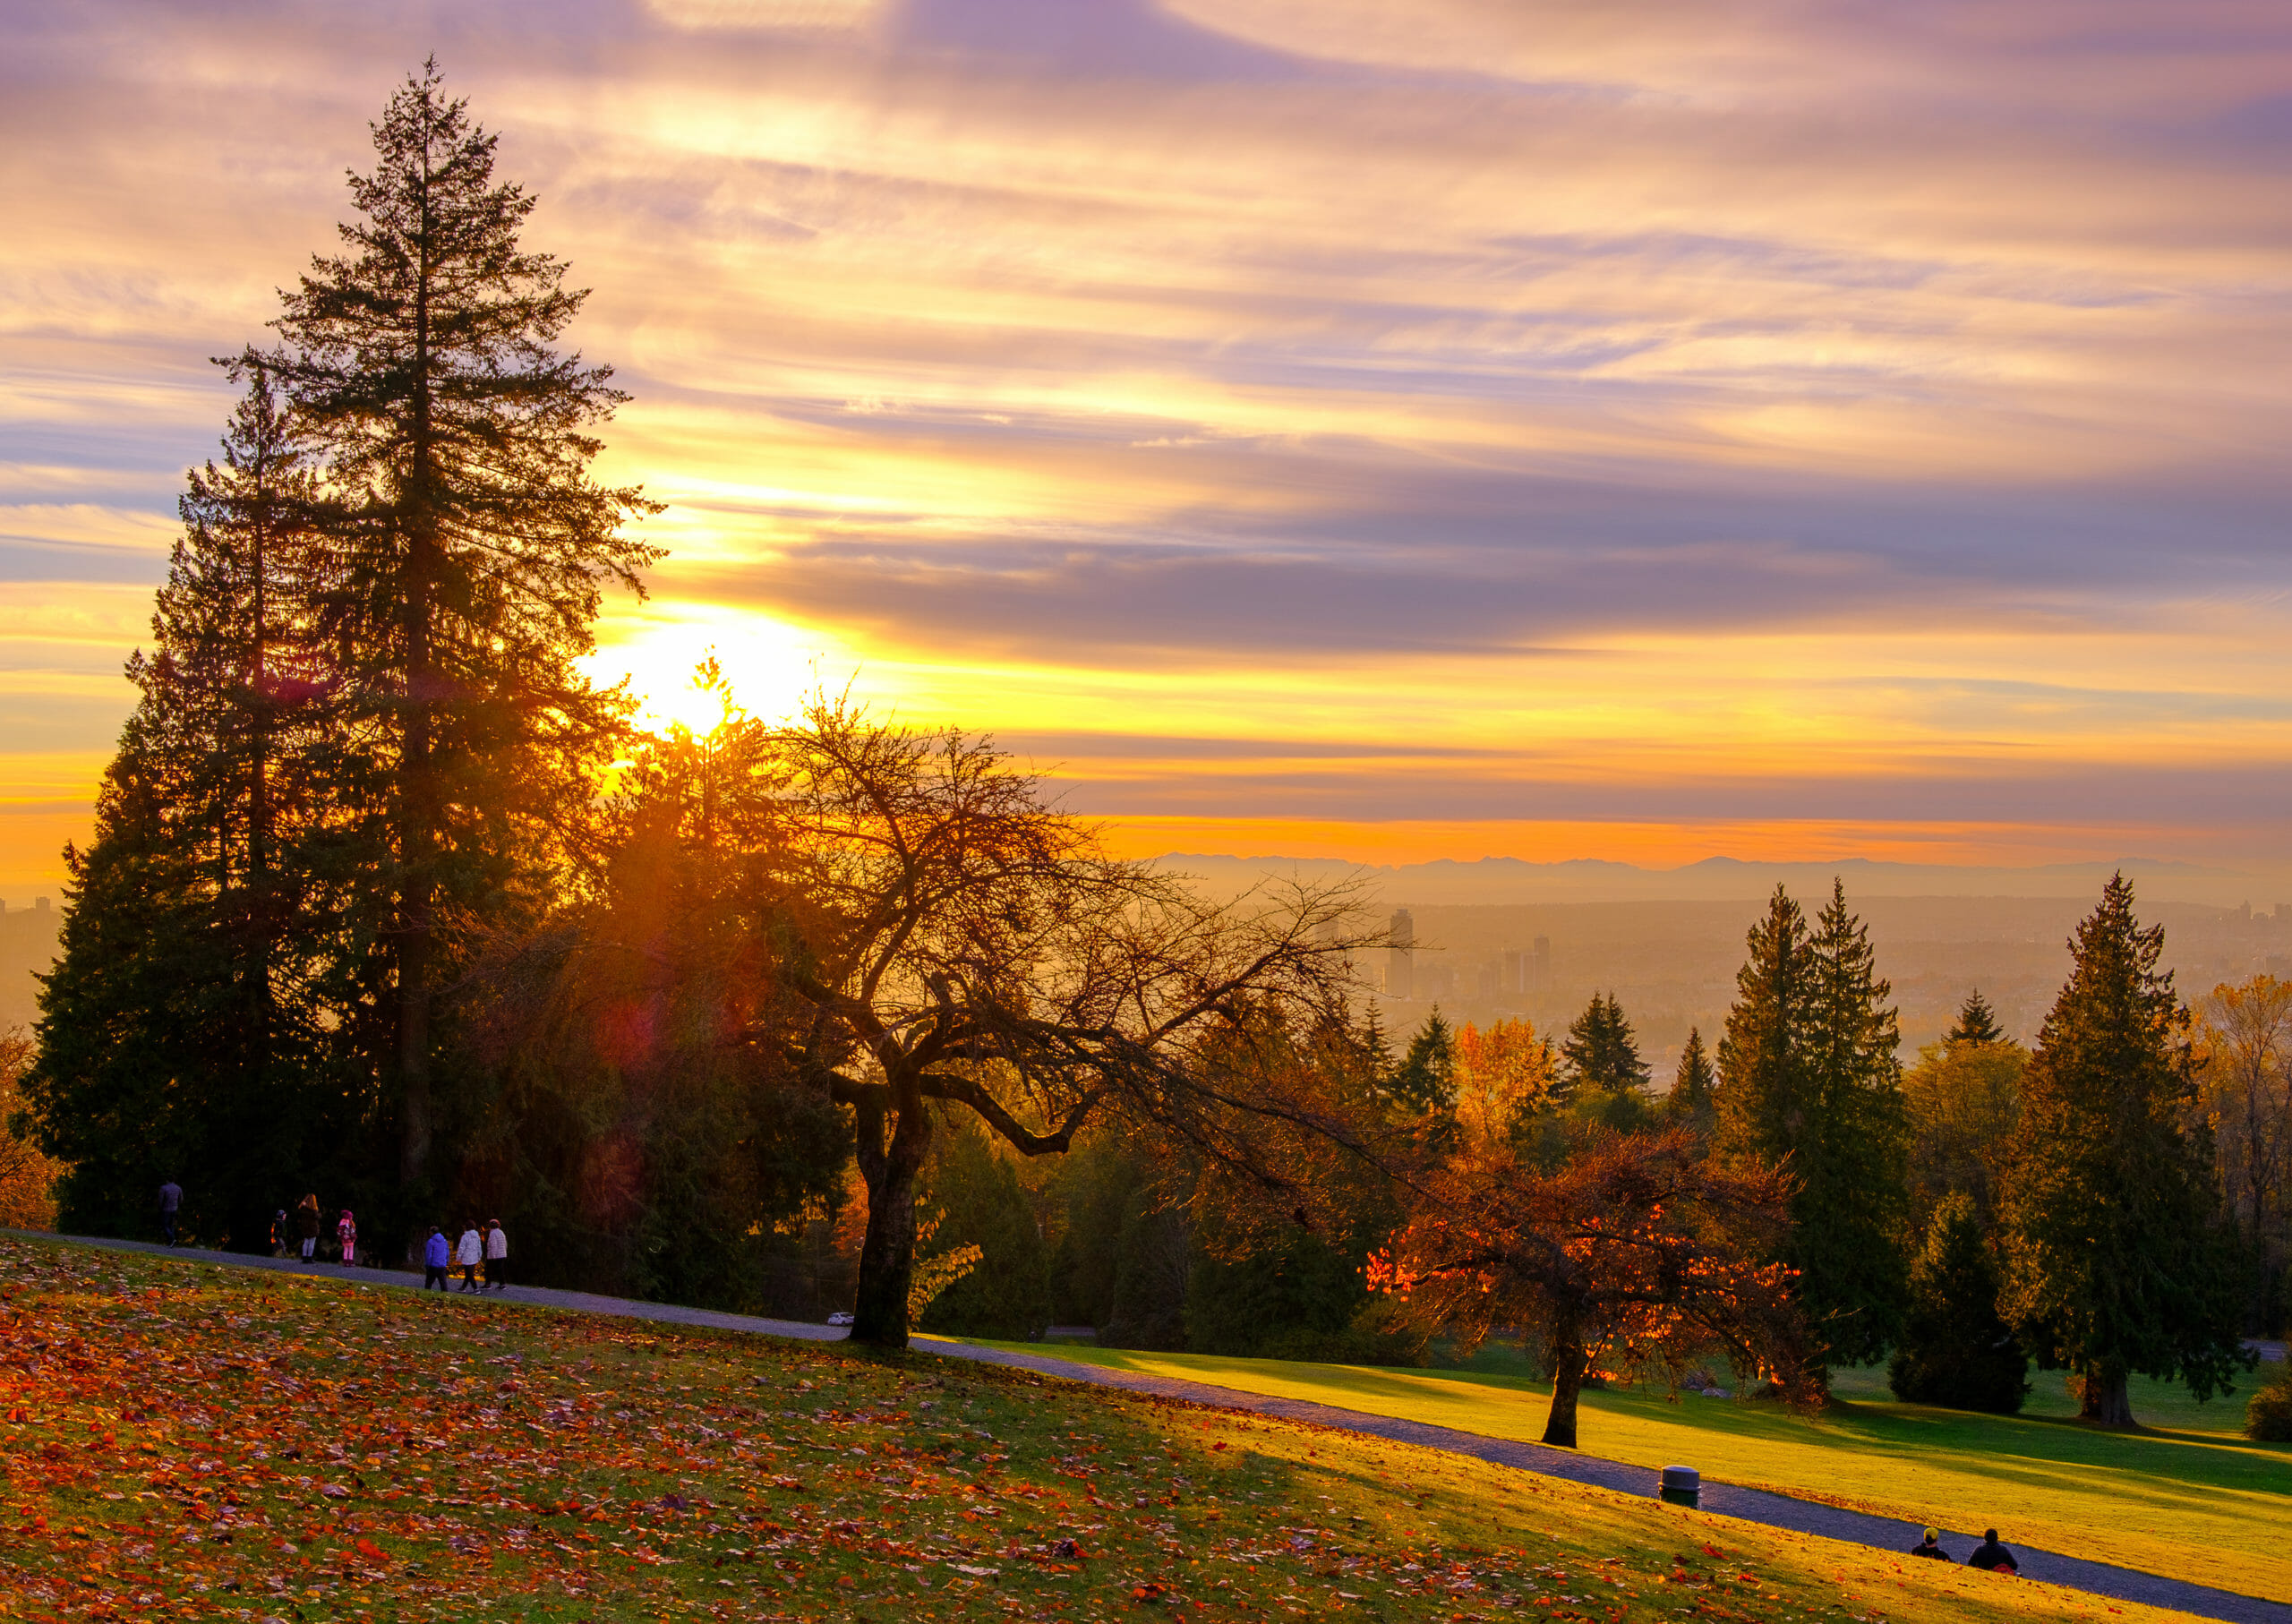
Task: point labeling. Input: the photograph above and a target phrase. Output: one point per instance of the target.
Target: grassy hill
(2188, 1496)
(185, 1440)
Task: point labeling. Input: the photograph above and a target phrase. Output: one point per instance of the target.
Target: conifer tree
(1809, 1080)
(1977, 1023)
(1601, 1051)
(180, 1025)
(2117, 1259)
(1854, 1196)
(472, 559)
(1424, 1083)
(1956, 1350)
(1689, 1104)
(1762, 1109)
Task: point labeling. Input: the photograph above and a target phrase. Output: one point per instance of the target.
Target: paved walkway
(1752, 1505)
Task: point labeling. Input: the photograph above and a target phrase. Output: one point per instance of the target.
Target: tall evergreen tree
(2118, 1257)
(1855, 1165)
(1689, 1104)
(472, 559)
(1762, 1107)
(1808, 1080)
(1601, 1052)
(1977, 1023)
(180, 1023)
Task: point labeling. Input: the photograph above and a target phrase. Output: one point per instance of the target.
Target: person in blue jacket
(435, 1256)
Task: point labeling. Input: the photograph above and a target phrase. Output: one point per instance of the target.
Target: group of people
(491, 1249)
(1990, 1555)
(487, 1249)
(308, 1221)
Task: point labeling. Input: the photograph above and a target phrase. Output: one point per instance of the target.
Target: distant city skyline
(1350, 430)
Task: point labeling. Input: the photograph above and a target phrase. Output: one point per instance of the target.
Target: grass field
(189, 1441)
(2188, 1497)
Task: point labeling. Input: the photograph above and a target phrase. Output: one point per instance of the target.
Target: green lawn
(2189, 1497)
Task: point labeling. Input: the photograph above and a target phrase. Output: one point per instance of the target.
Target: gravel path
(1752, 1505)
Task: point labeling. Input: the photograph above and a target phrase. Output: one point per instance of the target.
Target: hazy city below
(1671, 963)
(27, 945)
(1481, 956)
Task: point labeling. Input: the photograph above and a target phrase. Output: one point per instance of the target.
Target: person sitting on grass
(1931, 1546)
(1992, 1557)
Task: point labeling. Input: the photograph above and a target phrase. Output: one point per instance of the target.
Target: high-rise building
(1401, 957)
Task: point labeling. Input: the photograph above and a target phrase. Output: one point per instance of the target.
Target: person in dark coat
(1931, 1546)
(1992, 1557)
(170, 1204)
(307, 1214)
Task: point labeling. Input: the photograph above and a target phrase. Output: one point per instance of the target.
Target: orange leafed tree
(1503, 1070)
(1635, 1256)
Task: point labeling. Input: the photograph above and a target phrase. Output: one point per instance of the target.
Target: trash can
(1680, 1485)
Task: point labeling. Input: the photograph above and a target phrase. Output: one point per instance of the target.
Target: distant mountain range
(1509, 880)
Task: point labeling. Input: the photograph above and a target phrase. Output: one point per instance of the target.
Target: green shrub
(1955, 1349)
(2268, 1415)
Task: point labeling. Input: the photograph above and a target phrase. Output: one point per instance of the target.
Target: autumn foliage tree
(2245, 1036)
(1504, 1072)
(1637, 1254)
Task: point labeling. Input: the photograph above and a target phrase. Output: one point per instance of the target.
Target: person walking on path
(170, 1204)
(435, 1256)
(471, 1254)
(1992, 1557)
(1931, 1546)
(307, 1214)
(347, 1231)
(278, 1230)
(497, 1255)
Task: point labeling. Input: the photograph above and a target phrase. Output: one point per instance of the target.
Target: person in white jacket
(497, 1255)
(469, 1254)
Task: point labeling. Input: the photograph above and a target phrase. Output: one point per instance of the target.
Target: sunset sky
(1381, 429)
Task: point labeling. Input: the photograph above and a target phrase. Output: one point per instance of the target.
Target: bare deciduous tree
(957, 944)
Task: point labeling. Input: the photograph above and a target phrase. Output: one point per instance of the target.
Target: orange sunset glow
(1639, 431)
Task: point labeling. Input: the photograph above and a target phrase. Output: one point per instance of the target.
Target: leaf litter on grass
(193, 1442)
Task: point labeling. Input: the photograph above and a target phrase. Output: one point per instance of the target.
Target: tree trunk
(887, 1256)
(2102, 1398)
(418, 798)
(413, 1058)
(1569, 1364)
